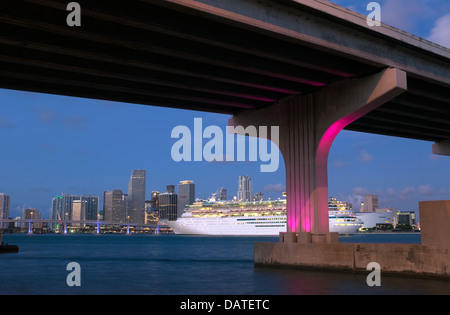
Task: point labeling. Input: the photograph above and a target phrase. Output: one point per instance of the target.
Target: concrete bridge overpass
(309, 66)
(221, 56)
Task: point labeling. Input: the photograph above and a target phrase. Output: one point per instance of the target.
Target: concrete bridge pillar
(308, 125)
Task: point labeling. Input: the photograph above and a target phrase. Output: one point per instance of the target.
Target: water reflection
(313, 282)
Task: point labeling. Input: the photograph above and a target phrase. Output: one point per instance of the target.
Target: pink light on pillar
(308, 126)
(321, 221)
(338, 106)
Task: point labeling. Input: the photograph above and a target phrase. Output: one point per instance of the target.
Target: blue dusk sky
(56, 144)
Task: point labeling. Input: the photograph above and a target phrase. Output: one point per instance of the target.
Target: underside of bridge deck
(162, 53)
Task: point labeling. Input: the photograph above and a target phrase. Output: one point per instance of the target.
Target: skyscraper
(155, 201)
(62, 209)
(136, 197)
(259, 196)
(4, 208)
(186, 195)
(30, 214)
(114, 206)
(221, 194)
(79, 209)
(406, 218)
(57, 211)
(168, 204)
(245, 188)
(370, 203)
(91, 206)
(57, 208)
(170, 189)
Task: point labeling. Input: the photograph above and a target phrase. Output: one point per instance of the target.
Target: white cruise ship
(253, 218)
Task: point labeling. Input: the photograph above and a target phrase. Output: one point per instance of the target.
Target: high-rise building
(57, 208)
(258, 196)
(114, 206)
(186, 195)
(67, 206)
(79, 209)
(221, 194)
(148, 206)
(4, 209)
(245, 188)
(57, 211)
(91, 206)
(136, 197)
(170, 189)
(168, 204)
(155, 201)
(67, 203)
(406, 218)
(30, 214)
(153, 208)
(370, 203)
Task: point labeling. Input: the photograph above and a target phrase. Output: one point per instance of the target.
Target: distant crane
(62, 222)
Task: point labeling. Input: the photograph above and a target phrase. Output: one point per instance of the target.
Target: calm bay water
(179, 265)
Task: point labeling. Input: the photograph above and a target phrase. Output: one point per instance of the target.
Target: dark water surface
(179, 265)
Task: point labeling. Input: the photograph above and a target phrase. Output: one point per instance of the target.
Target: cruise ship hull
(230, 226)
(241, 226)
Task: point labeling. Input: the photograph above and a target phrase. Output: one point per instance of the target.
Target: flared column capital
(308, 125)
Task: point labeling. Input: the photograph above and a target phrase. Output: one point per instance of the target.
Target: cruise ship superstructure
(253, 218)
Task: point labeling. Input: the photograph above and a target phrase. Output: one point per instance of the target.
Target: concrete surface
(398, 259)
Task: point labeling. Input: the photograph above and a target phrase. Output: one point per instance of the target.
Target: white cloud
(48, 116)
(403, 14)
(444, 191)
(47, 147)
(275, 187)
(440, 34)
(5, 123)
(341, 163)
(425, 190)
(364, 156)
(390, 192)
(360, 191)
(75, 121)
(407, 191)
(357, 197)
(434, 157)
(45, 115)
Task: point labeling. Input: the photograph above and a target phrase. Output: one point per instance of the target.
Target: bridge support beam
(308, 125)
(441, 148)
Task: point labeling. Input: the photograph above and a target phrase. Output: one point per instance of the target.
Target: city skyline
(367, 149)
(54, 144)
